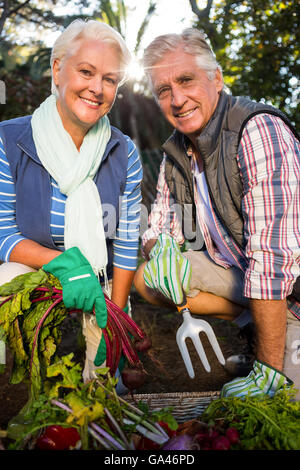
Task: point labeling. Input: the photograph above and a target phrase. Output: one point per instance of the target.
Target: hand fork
(191, 328)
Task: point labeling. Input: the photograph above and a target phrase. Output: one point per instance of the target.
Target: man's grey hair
(69, 40)
(193, 42)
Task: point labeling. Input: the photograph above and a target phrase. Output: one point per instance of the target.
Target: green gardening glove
(262, 380)
(168, 271)
(101, 352)
(80, 286)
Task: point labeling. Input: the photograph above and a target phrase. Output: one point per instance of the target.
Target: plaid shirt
(269, 163)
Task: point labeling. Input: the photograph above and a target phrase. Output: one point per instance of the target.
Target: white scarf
(73, 171)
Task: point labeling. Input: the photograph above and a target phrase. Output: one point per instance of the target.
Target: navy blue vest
(33, 187)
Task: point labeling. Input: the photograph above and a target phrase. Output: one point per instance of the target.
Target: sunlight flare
(135, 70)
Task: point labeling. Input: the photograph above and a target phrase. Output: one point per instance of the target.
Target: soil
(161, 325)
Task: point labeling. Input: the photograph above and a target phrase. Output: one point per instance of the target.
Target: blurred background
(257, 43)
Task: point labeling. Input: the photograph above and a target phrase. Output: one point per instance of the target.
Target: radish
(233, 435)
(213, 433)
(220, 443)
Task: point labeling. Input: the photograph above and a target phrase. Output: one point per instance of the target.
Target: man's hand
(168, 271)
(262, 380)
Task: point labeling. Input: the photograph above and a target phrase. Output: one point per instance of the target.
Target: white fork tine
(214, 342)
(184, 353)
(200, 350)
(191, 328)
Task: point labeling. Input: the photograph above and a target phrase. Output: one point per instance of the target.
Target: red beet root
(46, 443)
(133, 378)
(143, 345)
(233, 435)
(58, 438)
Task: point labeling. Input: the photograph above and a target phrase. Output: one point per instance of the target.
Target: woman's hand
(80, 286)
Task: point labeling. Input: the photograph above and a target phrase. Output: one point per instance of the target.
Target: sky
(170, 16)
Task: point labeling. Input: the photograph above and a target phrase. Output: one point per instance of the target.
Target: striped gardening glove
(168, 271)
(262, 380)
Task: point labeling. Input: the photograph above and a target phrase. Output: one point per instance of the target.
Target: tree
(16, 13)
(257, 44)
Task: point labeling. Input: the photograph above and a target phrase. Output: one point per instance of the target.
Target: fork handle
(183, 306)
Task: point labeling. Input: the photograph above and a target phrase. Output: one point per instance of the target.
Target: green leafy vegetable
(29, 319)
(103, 419)
(262, 422)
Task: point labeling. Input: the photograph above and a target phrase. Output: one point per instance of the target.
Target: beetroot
(56, 437)
(133, 378)
(46, 443)
(143, 344)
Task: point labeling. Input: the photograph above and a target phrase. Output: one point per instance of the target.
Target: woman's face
(87, 82)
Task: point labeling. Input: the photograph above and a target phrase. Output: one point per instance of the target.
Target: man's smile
(187, 113)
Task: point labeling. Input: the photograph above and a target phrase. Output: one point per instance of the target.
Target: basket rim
(171, 395)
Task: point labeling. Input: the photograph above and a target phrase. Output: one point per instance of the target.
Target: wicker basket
(185, 405)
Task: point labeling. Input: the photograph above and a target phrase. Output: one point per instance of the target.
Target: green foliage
(271, 423)
(21, 317)
(257, 44)
(144, 25)
(23, 93)
(69, 401)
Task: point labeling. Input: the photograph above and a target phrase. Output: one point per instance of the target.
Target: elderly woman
(70, 182)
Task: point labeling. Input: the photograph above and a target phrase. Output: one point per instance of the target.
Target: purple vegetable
(183, 442)
(221, 443)
(233, 435)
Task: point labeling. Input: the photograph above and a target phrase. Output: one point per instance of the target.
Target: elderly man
(230, 176)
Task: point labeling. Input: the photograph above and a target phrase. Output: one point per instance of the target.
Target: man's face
(185, 95)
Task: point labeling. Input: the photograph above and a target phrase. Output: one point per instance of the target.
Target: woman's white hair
(193, 42)
(66, 44)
